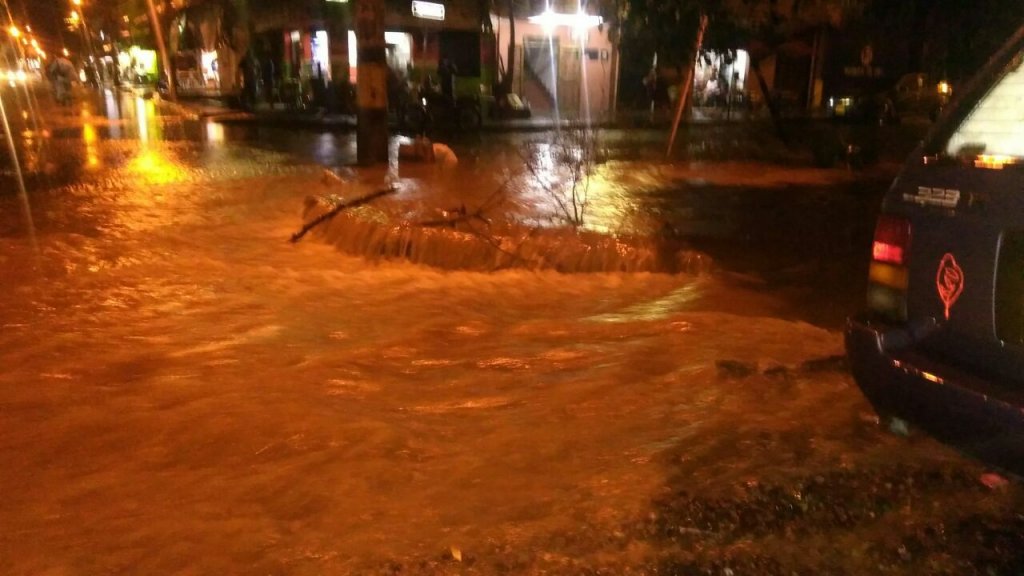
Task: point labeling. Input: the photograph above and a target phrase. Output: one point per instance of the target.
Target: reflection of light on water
(545, 166)
(326, 148)
(608, 203)
(214, 132)
(89, 136)
(141, 119)
(659, 309)
(113, 110)
(153, 167)
(602, 188)
(31, 159)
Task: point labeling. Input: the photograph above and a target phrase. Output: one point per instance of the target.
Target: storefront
(137, 66)
(720, 79)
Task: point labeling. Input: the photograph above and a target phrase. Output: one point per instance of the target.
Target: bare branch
(338, 208)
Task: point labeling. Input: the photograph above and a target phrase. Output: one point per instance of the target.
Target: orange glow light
(994, 161)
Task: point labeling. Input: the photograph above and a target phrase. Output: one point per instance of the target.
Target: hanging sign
(427, 10)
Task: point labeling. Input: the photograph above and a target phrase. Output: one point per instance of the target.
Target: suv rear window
(996, 124)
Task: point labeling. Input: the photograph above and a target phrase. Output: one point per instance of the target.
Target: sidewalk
(814, 142)
(218, 111)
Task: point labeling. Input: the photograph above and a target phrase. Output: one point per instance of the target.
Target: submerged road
(184, 391)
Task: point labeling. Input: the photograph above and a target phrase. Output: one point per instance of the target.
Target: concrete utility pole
(371, 84)
(686, 87)
(158, 33)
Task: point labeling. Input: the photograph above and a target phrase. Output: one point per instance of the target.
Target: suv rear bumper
(964, 409)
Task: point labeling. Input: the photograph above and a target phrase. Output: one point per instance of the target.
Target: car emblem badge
(949, 281)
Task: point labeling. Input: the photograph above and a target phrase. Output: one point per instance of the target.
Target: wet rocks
(731, 369)
(838, 499)
(836, 363)
(889, 511)
(735, 369)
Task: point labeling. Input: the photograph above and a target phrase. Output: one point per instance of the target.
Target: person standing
(250, 71)
(446, 71)
(61, 72)
(269, 74)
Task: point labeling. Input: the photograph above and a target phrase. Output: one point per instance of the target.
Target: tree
(669, 28)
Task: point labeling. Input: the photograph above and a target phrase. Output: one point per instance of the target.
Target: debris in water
(994, 481)
(735, 368)
(456, 553)
(836, 363)
(899, 426)
(423, 150)
(338, 208)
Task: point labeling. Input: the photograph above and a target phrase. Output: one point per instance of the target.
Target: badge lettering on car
(949, 281)
(939, 197)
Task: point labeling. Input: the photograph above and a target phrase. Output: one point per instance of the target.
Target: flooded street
(184, 391)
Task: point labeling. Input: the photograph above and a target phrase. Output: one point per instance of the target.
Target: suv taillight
(892, 240)
(887, 276)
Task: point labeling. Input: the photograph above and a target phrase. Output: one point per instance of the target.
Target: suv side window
(996, 125)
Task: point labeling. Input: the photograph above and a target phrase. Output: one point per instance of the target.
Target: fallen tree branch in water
(338, 208)
(453, 219)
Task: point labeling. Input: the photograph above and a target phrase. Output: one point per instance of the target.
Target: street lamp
(77, 17)
(13, 31)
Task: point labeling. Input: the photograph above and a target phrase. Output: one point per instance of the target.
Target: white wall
(597, 76)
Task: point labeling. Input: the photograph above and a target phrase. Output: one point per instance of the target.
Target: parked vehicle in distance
(880, 101)
(864, 100)
(941, 341)
(917, 95)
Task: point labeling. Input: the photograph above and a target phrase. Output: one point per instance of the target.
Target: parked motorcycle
(431, 110)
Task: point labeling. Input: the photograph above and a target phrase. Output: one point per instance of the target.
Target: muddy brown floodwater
(183, 391)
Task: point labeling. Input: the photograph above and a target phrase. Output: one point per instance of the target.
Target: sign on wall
(427, 10)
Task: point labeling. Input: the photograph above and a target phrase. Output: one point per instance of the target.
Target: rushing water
(185, 391)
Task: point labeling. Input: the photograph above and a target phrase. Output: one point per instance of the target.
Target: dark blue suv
(941, 342)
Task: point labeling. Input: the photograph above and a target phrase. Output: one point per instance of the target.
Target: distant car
(917, 95)
(864, 100)
(880, 101)
(941, 341)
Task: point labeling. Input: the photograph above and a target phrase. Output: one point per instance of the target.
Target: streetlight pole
(19, 50)
(154, 21)
(88, 39)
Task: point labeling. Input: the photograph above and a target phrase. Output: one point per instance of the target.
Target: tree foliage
(668, 27)
(950, 38)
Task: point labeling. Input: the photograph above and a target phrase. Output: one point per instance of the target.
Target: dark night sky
(46, 18)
